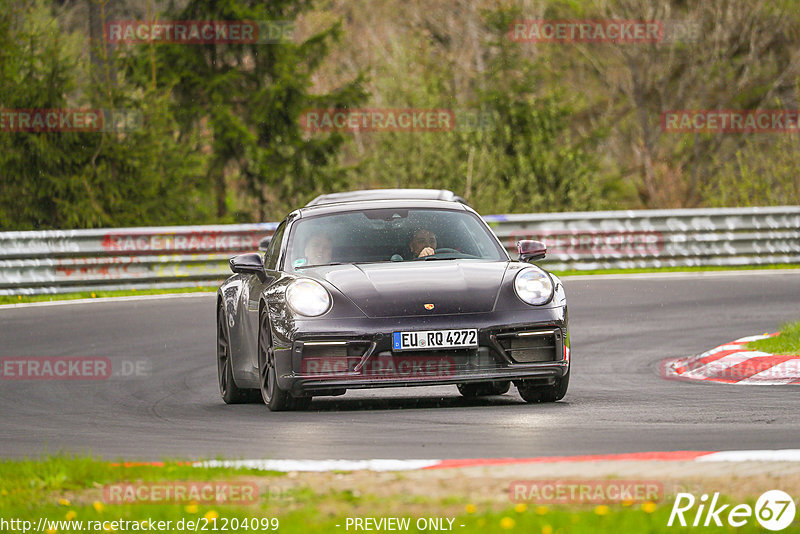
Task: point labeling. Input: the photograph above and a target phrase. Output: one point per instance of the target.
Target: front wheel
(534, 394)
(276, 399)
(230, 392)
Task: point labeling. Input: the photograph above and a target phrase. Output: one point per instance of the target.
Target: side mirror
(264, 243)
(531, 250)
(249, 264)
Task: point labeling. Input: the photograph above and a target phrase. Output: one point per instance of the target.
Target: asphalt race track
(621, 329)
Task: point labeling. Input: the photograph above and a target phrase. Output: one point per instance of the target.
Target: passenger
(318, 250)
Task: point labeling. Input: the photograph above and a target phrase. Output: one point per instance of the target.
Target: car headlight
(533, 286)
(308, 297)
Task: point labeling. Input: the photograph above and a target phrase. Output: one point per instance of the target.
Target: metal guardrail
(64, 261)
(658, 238)
(61, 261)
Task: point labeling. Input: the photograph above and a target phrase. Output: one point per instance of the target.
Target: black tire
(276, 399)
(500, 387)
(301, 403)
(534, 394)
(230, 392)
(484, 389)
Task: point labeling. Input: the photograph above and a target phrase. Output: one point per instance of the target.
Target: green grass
(17, 299)
(787, 342)
(34, 478)
(62, 488)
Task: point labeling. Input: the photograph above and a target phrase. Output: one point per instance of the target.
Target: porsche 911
(389, 288)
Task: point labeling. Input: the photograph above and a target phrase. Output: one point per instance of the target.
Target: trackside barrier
(61, 261)
(64, 261)
(658, 238)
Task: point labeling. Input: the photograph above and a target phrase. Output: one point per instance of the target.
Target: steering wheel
(438, 251)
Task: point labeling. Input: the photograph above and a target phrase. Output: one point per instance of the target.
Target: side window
(274, 249)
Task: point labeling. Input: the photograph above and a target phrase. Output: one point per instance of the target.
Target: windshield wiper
(324, 264)
(435, 258)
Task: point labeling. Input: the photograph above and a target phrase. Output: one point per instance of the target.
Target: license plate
(435, 339)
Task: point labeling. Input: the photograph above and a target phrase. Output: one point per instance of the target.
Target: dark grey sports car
(389, 288)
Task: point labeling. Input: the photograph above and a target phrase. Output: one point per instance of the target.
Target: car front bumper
(326, 357)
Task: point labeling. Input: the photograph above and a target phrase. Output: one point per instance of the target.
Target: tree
(518, 155)
(37, 68)
(60, 179)
(717, 54)
(247, 99)
(535, 164)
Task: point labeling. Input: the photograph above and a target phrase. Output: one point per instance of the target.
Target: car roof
(399, 203)
(386, 194)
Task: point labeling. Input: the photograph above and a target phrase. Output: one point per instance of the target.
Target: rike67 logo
(774, 510)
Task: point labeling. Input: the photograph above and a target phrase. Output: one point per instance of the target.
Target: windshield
(390, 235)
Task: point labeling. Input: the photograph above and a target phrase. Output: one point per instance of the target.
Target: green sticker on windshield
(299, 262)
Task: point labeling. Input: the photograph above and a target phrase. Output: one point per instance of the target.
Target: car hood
(403, 289)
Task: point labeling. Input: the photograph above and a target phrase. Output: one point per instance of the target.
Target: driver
(423, 243)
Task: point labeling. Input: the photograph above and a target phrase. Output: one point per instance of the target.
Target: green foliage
(58, 487)
(533, 163)
(85, 179)
(205, 115)
(563, 126)
(517, 155)
(250, 98)
(787, 342)
(763, 172)
(36, 69)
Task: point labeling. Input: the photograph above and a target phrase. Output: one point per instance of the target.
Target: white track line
(106, 299)
(748, 339)
(679, 274)
(785, 455)
(322, 465)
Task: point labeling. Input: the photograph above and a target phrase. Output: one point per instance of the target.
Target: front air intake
(531, 347)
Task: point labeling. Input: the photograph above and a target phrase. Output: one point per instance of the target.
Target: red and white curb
(784, 455)
(733, 363)
(778, 455)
